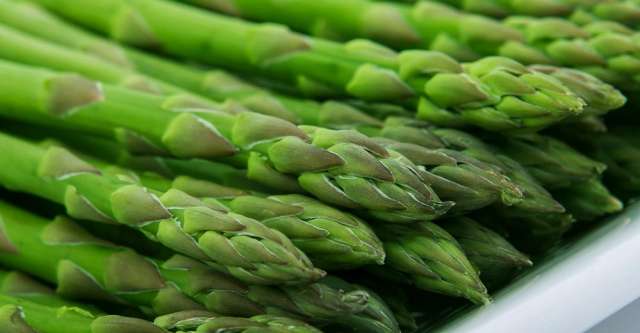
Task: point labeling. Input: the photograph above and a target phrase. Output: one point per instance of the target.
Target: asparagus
(203, 321)
(473, 187)
(338, 167)
(85, 267)
(601, 48)
(332, 239)
(552, 162)
(231, 242)
(619, 150)
(495, 258)
(484, 96)
(18, 284)
(588, 200)
(425, 255)
(22, 316)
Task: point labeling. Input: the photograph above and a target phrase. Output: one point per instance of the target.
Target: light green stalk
(461, 180)
(483, 96)
(600, 48)
(339, 167)
(231, 242)
(332, 239)
(18, 284)
(588, 200)
(427, 256)
(19, 315)
(203, 321)
(85, 267)
(494, 257)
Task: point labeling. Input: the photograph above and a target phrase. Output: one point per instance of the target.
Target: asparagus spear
(338, 167)
(552, 162)
(482, 96)
(23, 316)
(86, 267)
(332, 239)
(202, 321)
(601, 48)
(18, 284)
(425, 255)
(588, 200)
(495, 258)
(251, 251)
(472, 187)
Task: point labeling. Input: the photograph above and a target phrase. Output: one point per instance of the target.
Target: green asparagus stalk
(202, 321)
(85, 267)
(552, 162)
(340, 167)
(19, 315)
(482, 96)
(472, 187)
(600, 48)
(588, 200)
(427, 256)
(619, 150)
(231, 242)
(494, 257)
(18, 284)
(332, 239)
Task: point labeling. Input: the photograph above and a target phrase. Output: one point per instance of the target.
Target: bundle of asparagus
(270, 181)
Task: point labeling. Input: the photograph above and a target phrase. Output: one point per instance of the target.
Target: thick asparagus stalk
(552, 162)
(495, 258)
(447, 94)
(441, 28)
(251, 252)
(19, 315)
(428, 257)
(473, 186)
(588, 200)
(202, 321)
(332, 239)
(340, 167)
(85, 267)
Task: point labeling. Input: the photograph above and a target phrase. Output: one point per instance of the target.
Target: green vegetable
(202, 321)
(19, 315)
(233, 243)
(425, 255)
(494, 257)
(88, 268)
(484, 96)
(588, 200)
(604, 49)
(339, 167)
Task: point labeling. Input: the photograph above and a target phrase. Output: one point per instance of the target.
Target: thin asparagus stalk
(202, 321)
(85, 267)
(332, 239)
(252, 252)
(495, 258)
(481, 97)
(472, 187)
(18, 284)
(552, 162)
(427, 256)
(602, 48)
(339, 167)
(19, 315)
(588, 200)
(201, 188)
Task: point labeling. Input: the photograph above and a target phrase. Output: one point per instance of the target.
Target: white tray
(572, 290)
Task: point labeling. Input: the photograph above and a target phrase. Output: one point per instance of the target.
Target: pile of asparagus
(300, 166)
